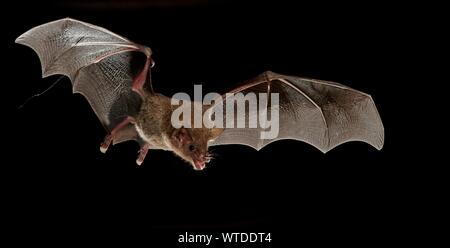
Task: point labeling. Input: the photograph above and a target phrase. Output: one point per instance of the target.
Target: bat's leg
(110, 137)
(140, 79)
(142, 153)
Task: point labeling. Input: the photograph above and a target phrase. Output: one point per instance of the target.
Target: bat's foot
(110, 137)
(104, 146)
(142, 153)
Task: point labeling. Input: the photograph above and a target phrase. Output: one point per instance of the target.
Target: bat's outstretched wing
(103, 66)
(323, 114)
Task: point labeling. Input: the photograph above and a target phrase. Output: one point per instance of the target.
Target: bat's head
(191, 144)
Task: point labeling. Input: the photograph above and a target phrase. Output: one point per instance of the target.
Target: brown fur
(154, 121)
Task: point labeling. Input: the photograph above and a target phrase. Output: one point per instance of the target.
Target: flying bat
(114, 75)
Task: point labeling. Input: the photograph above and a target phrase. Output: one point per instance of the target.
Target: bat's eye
(191, 148)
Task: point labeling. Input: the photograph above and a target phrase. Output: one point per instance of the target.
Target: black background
(60, 189)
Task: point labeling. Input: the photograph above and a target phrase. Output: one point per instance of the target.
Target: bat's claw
(153, 64)
(110, 137)
(142, 153)
(104, 146)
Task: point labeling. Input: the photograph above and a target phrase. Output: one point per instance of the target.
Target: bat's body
(153, 125)
(113, 73)
(153, 121)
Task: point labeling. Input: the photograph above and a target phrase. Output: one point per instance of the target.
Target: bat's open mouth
(199, 164)
(200, 160)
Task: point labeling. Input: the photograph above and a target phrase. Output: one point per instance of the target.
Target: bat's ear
(182, 136)
(215, 132)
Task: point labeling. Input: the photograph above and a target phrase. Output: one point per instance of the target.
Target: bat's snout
(200, 160)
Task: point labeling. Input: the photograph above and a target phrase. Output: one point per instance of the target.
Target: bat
(114, 75)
